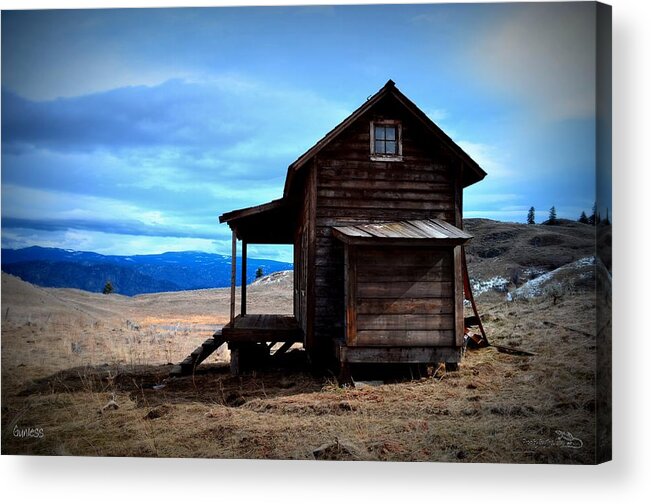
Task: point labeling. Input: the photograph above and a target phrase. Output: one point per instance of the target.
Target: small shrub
(557, 290)
(108, 288)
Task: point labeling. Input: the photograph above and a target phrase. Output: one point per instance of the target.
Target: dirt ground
(87, 374)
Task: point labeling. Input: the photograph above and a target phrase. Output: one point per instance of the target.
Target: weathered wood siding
(304, 248)
(351, 188)
(300, 278)
(403, 297)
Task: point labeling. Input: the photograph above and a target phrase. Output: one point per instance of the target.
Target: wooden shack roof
(473, 174)
(274, 223)
(409, 232)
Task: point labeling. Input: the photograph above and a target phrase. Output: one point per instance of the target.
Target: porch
(263, 329)
(254, 338)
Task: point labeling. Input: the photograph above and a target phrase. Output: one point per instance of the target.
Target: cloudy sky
(131, 131)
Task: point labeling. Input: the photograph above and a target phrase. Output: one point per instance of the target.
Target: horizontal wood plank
(380, 214)
(387, 204)
(413, 355)
(385, 194)
(411, 322)
(394, 172)
(360, 152)
(334, 286)
(405, 338)
(333, 164)
(406, 274)
(326, 260)
(435, 184)
(405, 306)
(329, 218)
(423, 257)
(404, 289)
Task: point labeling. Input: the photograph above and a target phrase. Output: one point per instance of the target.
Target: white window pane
(390, 133)
(380, 133)
(379, 147)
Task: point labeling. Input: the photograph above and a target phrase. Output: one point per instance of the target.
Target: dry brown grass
(497, 408)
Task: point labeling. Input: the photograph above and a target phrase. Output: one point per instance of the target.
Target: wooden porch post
(233, 274)
(243, 309)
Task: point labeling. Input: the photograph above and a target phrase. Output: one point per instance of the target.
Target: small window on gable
(386, 141)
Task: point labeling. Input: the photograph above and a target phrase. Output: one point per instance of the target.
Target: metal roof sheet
(427, 229)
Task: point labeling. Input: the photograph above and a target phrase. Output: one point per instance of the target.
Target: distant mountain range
(129, 275)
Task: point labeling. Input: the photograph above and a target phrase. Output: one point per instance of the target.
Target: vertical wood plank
(243, 297)
(298, 312)
(233, 274)
(350, 289)
(311, 257)
(235, 361)
(459, 324)
(458, 296)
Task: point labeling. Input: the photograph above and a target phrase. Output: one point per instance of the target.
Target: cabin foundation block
(246, 356)
(452, 366)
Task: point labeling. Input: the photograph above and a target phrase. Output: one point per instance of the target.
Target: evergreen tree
(531, 216)
(552, 216)
(108, 288)
(584, 218)
(259, 273)
(606, 221)
(593, 218)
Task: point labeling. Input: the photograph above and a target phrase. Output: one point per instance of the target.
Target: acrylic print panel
(412, 257)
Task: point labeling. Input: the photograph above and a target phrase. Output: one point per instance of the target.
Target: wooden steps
(198, 355)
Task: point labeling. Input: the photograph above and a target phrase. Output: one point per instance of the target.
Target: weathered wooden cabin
(374, 212)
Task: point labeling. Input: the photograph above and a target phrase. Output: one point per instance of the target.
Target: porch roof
(271, 223)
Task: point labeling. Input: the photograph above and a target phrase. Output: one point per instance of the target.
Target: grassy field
(87, 374)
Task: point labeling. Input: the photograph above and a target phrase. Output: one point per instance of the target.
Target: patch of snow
(537, 286)
(368, 383)
(533, 272)
(497, 283)
(534, 287)
(586, 261)
(273, 278)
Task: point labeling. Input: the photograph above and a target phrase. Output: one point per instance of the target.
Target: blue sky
(131, 131)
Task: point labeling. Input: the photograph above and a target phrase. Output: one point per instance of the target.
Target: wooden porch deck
(253, 328)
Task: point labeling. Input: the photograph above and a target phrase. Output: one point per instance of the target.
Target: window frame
(379, 156)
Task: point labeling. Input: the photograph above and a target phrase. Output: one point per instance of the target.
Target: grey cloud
(132, 228)
(174, 113)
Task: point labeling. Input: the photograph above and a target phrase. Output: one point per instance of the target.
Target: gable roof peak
(477, 173)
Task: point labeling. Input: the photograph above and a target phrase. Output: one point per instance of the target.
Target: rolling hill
(129, 275)
(500, 254)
